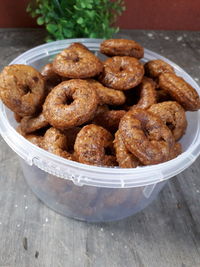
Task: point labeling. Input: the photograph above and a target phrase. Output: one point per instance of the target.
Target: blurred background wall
(139, 14)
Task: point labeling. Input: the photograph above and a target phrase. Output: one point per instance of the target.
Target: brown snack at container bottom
(147, 94)
(108, 95)
(30, 124)
(55, 141)
(173, 115)
(77, 61)
(94, 146)
(22, 89)
(146, 136)
(122, 47)
(180, 90)
(124, 157)
(122, 73)
(154, 68)
(79, 200)
(70, 104)
(108, 119)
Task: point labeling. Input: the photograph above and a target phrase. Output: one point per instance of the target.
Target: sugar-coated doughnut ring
(154, 68)
(146, 136)
(175, 151)
(50, 77)
(122, 73)
(108, 119)
(122, 47)
(173, 115)
(70, 104)
(147, 94)
(180, 90)
(55, 142)
(124, 157)
(22, 89)
(92, 144)
(107, 95)
(31, 124)
(77, 61)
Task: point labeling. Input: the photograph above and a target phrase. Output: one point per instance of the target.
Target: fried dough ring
(147, 94)
(173, 115)
(175, 151)
(91, 144)
(122, 47)
(31, 124)
(180, 90)
(56, 142)
(82, 109)
(22, 89)
(108, 119)
(146, 136)
(122, 73)
(154, 68)
(107, 95)
(77, 61)
(124, 157)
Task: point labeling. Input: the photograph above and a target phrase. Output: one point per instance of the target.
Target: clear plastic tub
(86, 192)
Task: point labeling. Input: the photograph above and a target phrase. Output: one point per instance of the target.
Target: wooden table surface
(165, 234)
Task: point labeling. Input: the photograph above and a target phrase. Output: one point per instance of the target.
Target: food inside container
(87, 192)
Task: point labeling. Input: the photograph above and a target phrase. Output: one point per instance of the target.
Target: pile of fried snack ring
(119, 112)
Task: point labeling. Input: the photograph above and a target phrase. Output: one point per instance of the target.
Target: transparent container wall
(88, 203)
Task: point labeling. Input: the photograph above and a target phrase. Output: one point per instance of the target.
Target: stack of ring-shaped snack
(101, 113)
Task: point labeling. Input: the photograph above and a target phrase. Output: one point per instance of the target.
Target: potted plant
(77, 18)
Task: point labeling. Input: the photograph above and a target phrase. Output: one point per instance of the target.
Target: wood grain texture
(165, 234)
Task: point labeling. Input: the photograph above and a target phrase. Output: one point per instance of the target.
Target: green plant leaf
(80, 20)
(52, 28)
(40, 21)
(77, 18)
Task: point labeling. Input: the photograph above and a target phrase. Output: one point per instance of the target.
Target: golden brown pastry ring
(77, 61)
(81, 107)
(22, 89)
(91, 145)
(122, 47)
(122, 73)
(146, 136)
